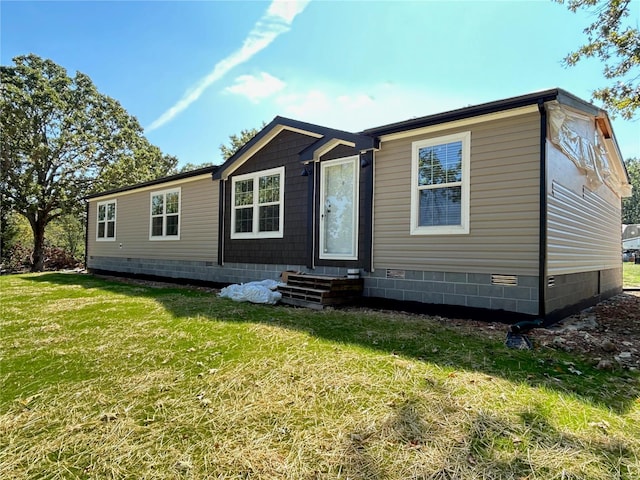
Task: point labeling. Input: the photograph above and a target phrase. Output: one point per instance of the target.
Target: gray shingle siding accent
(283, 150)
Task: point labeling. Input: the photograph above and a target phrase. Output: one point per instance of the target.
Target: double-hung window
(165, 215)
(106, 224)
(257, 201)
(440, 185)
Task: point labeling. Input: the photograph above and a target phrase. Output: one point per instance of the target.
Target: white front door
(339, 209)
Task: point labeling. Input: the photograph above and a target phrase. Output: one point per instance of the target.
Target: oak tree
(63, 139)
(616, 42)
(631, 205)
(236, 142)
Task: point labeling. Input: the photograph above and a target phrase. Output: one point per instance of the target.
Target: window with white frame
(257, 201)
(106, 221)
(440, 185)
(165, 215)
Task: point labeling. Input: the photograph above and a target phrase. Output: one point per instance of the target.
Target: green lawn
(631, 275)
(101, 379)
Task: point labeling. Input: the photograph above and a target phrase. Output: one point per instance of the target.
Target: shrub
(18, 259)
(56, 258)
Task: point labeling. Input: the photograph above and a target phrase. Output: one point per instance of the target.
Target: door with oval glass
(339, 209)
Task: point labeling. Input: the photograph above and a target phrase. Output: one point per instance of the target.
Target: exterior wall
(583, 226)
(584, 237)
(232, 272)
(442, 288)
(452, 288)
(206, 271)
(584, 221)
(198, 227)
(582, 288)
(283, 150)
(504, 204)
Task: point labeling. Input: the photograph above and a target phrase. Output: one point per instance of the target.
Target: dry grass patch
(165, 383)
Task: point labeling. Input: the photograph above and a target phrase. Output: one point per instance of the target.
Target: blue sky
(194, 73)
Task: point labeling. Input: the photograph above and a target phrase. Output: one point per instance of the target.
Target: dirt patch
(608, 333)
(157, 283)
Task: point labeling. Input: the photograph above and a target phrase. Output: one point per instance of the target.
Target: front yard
(631, 275)
(101, 379)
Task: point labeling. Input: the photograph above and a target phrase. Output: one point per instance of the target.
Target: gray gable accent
(327, 138)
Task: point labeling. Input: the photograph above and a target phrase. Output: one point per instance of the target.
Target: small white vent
(504, 280)
(551, 281)
(395, 273)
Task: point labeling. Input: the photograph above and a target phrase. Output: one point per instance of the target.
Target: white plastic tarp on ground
(263, 291)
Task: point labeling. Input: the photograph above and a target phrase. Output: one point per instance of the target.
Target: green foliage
(236, 142)
(145, 162)
(616, 42)
(188, 167)
(64, 246)
(631, 205)
(68, 233)
(15, 229)
(8, 231)
(62, 139)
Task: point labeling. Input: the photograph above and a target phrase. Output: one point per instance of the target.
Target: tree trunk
(37, 258)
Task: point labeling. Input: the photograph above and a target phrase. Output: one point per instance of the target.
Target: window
(165, 215)
(257, 201)
(106, 224)
(440, 185)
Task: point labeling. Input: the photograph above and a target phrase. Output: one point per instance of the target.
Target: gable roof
(369, 139)
(158, 181)
(327, 139)
(630, 231)
(529, 99)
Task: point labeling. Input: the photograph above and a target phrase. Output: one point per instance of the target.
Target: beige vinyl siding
(198, 225)
(503, 209)
(584, 226)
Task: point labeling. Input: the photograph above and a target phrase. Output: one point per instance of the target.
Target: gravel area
(608, 332)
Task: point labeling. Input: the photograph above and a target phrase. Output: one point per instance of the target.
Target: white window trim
(162, 237)
(115, 221)
(356, 208)
(255, 177)
(462, 229)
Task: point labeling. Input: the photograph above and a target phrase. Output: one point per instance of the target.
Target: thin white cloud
(276, 21)
(256, 88)
(367, 107)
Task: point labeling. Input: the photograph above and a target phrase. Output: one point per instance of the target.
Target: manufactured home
(512, 205)
(631, 237)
